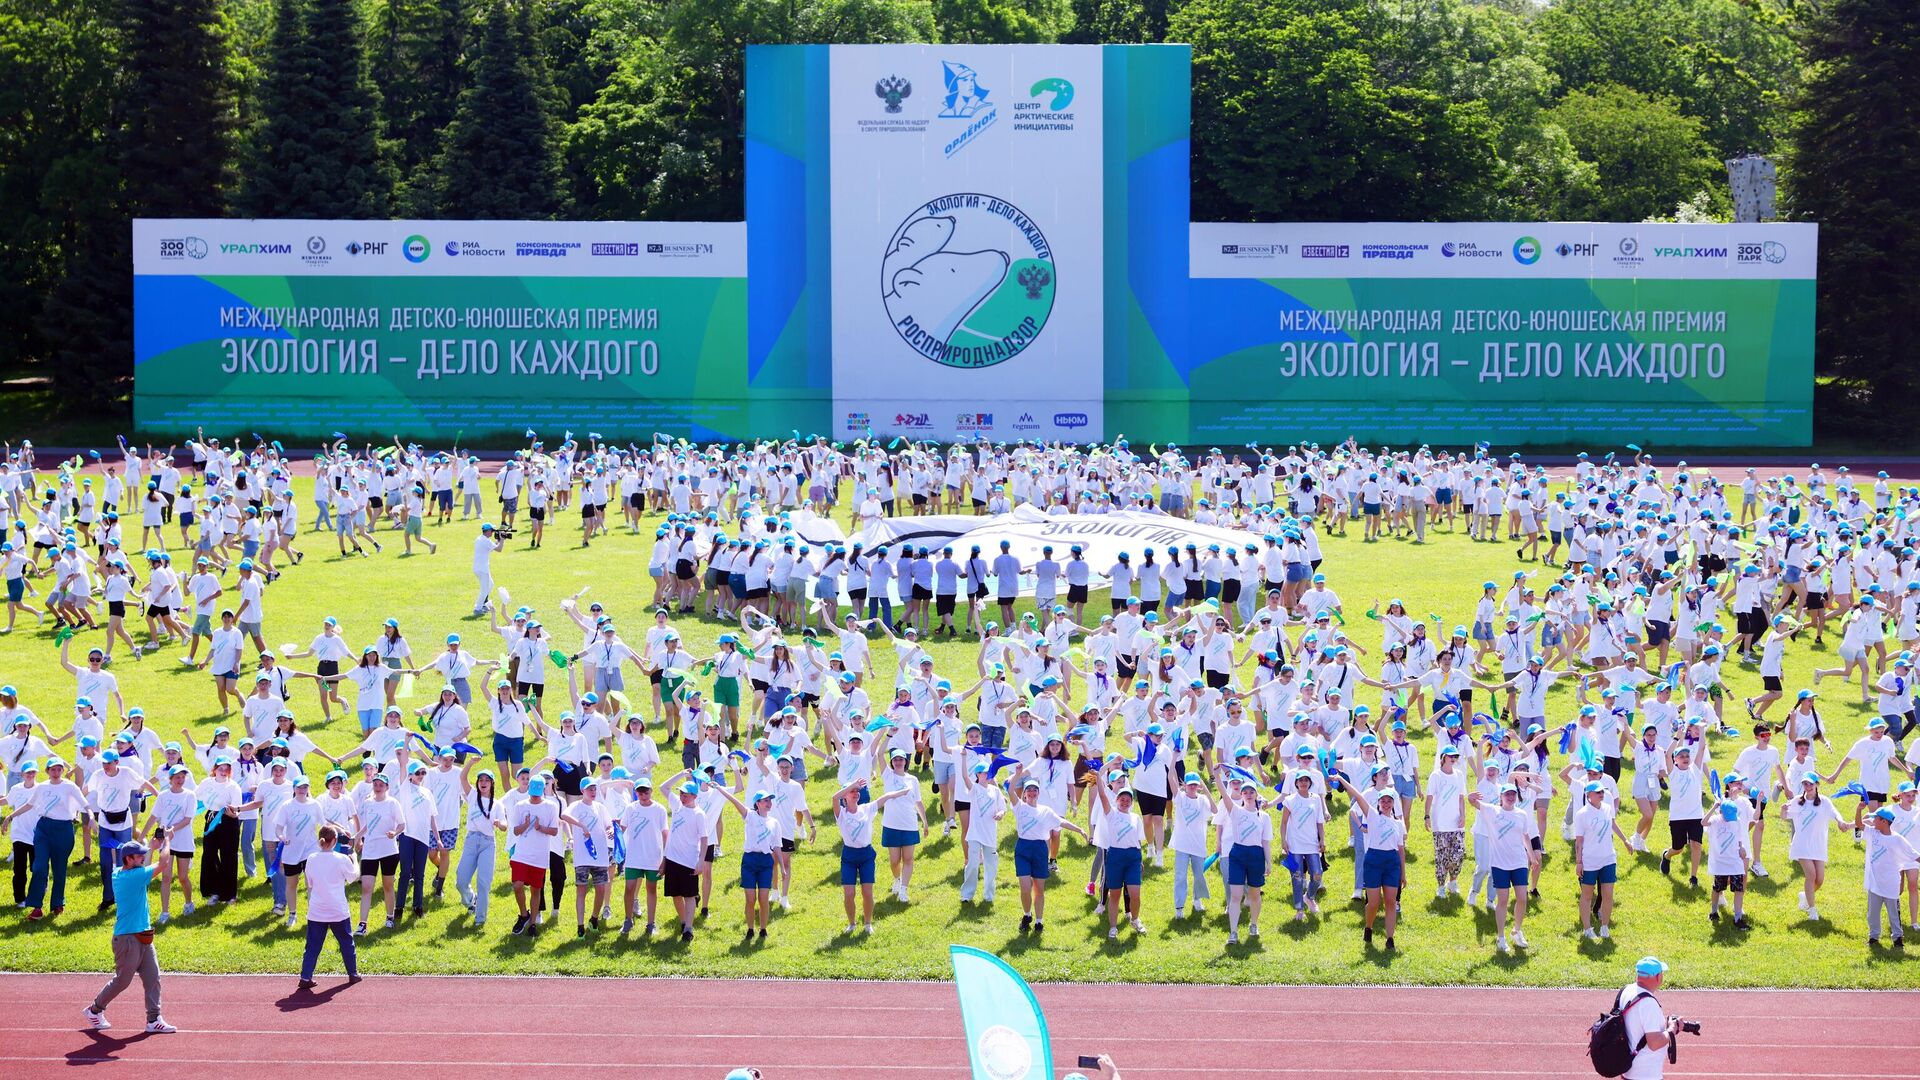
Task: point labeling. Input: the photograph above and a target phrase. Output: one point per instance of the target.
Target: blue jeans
(317, 936)
(1306, 879)
(413, 872)
(52, 848)
(878, 604)
(993, 736)
(474, 876)
(1184, 863)
(249, 828)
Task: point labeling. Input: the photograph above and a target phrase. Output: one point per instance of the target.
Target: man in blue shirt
(133, 952)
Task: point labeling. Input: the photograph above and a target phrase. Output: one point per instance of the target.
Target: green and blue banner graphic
(1541, 333)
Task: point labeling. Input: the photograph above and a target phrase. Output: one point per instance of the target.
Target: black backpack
(1607, 1042)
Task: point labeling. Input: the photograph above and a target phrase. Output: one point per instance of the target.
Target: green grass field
(1440, 942)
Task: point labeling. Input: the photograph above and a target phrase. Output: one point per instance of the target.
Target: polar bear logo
(948, 284)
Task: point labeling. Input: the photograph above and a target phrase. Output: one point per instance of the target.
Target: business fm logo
(1526, 251)
(417, 248)
(968, 280)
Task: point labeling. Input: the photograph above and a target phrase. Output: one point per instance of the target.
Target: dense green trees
(1302, 109)
(1856, 169)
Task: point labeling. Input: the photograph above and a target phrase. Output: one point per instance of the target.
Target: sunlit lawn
(1439, 941)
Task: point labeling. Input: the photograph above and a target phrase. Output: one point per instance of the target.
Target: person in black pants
(220, 863)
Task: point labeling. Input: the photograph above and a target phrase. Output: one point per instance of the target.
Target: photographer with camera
(1635, 1039)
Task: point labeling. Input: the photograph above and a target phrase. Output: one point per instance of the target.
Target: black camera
(1690, 1027)
(503, 533)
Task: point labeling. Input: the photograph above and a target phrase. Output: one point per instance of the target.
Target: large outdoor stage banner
(1542, 333)
(435, 329)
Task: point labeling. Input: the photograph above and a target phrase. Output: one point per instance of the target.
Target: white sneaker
(786, 904)
(1800, 901)
(160, 1027)
(1813, 913)
(1113, 933)
(1589, 934)
(848, 930)
(946, 827)
(1359, 894)
(96, 1021)
(292, 921)
(1159, 858)
(1566, 832)
(1139, 927)
(1439, 892)
(1520, 940)
(1759, 871)
(1500, 943)
(1100, 908)
(161, 921)
(1199, 906)
(1605, 932)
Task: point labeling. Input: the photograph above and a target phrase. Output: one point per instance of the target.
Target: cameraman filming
(1648, 1028)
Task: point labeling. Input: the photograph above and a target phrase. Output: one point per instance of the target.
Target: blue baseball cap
(1649, 966)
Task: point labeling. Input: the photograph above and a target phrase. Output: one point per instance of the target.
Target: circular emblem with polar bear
(968, 280)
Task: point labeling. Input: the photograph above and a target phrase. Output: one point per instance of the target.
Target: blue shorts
(1443, 496)
(1030, 859)
(1792, 575)
(511, 749)
(1406, 786)
(1123, 868)
(1372, 509)
(942, 774)
(899, 837)
(1381, 869)
(1602, 876)
(606, 681)
(856, 866)
(1509, 879)
(16, 589)
(369, 719)
(1247, 865)
(1298, 572)
(1483, 631)
(249, 548)
(443, 499)
(756, 869)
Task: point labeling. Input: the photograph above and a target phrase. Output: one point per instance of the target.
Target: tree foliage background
(1302, 110)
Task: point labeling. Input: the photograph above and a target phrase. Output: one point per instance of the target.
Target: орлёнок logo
(968, 280)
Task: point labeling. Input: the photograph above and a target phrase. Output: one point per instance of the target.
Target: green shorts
(726, 691)
(641, 875)
(413, 526)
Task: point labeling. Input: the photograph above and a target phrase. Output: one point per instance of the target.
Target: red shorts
(524, 874)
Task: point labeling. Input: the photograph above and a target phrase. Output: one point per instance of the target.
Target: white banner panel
(1102, 537)
(966, 225)
(1554, 249)
(305, 248)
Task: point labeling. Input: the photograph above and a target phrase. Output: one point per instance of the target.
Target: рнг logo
(416, 248)
(1061, 89)
(968, 280)
(893, 90)
(1526, 251)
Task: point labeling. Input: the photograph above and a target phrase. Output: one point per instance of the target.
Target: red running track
(440, 1028)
